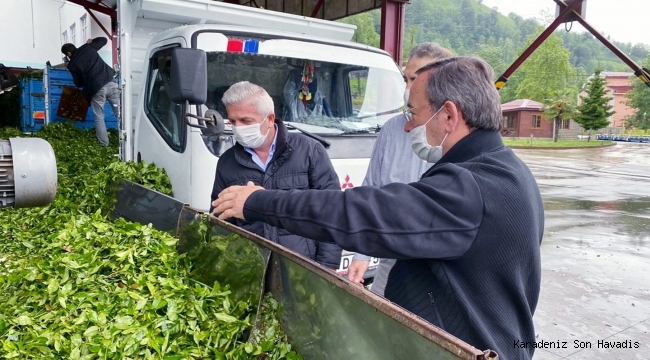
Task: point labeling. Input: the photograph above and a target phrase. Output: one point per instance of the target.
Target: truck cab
(349, 93)
(332, 89)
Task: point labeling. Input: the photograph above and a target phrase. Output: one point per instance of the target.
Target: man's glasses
(407, 112)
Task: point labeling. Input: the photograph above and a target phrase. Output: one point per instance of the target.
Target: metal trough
(324, 315)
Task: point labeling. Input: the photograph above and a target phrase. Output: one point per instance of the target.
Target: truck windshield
(321, 97)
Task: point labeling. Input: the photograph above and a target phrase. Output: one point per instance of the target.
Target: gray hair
(245, 92)
(429, 50)
(466, 81)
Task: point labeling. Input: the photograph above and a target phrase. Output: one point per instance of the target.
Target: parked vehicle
(638, 139)
(356, 88)
(41, 96)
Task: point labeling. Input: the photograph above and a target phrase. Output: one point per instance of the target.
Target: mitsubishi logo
(347, 184)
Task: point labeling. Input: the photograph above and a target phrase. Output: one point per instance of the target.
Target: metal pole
(540, 39)
(392, 28)
(33, 31)
(641, 73)
(99, 23)
(317, 8)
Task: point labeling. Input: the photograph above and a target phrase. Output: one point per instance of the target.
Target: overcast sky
(624, 20)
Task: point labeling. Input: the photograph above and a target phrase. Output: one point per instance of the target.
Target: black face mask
(66, 60)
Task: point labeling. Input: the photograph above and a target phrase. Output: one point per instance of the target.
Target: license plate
(346, 260)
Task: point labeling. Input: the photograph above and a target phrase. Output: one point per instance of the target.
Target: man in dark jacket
(95, 77)
(268, 155)
(466, 236)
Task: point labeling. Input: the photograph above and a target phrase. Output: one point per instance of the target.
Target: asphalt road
(595, 253)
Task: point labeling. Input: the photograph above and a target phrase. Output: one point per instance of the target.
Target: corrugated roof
(521, 104)
(616, 74)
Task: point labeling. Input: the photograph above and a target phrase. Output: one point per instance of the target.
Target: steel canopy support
(95, 6)
(567, 14)
(317, 8)
(392, 28)
(111, 36)
(540, 39)
(91, 6)
(114, 41)
(642, 73)
(92, 14)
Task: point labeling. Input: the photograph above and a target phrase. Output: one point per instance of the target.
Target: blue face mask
(420, 145)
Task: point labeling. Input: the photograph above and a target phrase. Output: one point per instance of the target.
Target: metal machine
(28, 175)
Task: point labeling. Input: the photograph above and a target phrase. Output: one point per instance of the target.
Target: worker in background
(268, 155)
(96, 80)
(393, 160)
(466, 236)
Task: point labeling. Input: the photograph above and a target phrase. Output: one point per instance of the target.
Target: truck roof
(187, 31)
(211, 12)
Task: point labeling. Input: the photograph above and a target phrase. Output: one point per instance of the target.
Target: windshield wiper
(394, 111)
(361, 131)
(325, 143)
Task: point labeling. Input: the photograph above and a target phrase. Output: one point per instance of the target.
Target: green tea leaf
(23, 320)
(91, 331)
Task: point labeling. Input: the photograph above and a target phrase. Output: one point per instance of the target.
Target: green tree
(410, 40)
(560, 106)
(595, 108)
(469, 18)
(548, 69)
(365, 33)
(494, 56)
(639, 98)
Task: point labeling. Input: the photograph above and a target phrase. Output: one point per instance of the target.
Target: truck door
(161, 133)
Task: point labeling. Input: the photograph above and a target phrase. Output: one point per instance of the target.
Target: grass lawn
(550, 143)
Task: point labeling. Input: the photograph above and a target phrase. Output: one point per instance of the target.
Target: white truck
(354, 88)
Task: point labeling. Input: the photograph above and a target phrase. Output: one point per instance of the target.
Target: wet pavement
(595, 253)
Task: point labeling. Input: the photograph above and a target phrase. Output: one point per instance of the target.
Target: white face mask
(250, 136)
(406, 96)
(420, 145)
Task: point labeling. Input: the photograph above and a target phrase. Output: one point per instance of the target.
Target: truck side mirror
(189, 76)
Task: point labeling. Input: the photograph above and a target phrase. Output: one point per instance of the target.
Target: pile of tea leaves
(76, 285)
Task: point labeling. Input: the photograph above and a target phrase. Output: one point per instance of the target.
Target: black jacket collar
(476, 143)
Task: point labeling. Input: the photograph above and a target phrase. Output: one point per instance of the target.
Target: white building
(33, 31)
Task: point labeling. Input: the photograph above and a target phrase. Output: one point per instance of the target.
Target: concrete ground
(595, 253)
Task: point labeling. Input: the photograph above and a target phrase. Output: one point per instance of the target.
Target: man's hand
(89, 41)
(356, 271)
(230, 202)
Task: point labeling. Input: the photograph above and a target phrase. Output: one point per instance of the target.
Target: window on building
(72, 34)
(65, 37)
(536, 122)
(84, 33)
(509, 122)
(565, 124)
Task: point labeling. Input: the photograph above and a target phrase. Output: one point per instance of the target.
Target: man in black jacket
(466, 236)
(95, 77)
(268, 155)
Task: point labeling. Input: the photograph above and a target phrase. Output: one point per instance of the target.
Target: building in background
(32, 31)
(523, 117)
(617, 85)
